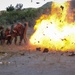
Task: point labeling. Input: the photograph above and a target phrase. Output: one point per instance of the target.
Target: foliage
(11, 15)
(19, 6)
(10, 8)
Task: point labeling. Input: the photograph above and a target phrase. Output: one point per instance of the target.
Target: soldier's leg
(21, 38)
(15, 39)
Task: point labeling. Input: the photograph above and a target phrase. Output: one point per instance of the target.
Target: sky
(26, 3)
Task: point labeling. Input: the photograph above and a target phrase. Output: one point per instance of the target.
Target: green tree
(10, 8)
(19, 6)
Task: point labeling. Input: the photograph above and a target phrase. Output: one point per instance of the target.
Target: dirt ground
(21, 60)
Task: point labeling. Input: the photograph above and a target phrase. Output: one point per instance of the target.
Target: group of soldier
(7, 35)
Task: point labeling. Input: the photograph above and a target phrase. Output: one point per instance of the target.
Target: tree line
(14, 14)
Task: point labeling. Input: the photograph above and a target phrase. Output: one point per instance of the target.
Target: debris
(38, 41)
(62, 7)
(29, 57)
(38, 49)
(71, 54)
(45, 50)
(64, 39)
(37, 2)
(61, 53)
(22, 53)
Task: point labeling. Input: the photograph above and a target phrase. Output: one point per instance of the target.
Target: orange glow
(57, 30)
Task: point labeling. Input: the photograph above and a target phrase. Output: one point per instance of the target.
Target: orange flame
(57, 30)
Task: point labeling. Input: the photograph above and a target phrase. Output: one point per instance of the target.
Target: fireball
(55, 31)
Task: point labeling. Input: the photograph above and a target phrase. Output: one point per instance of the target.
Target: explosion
(55, 31)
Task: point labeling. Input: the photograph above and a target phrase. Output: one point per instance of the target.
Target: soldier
(25, 31)
(2, 34)
(8, 36)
